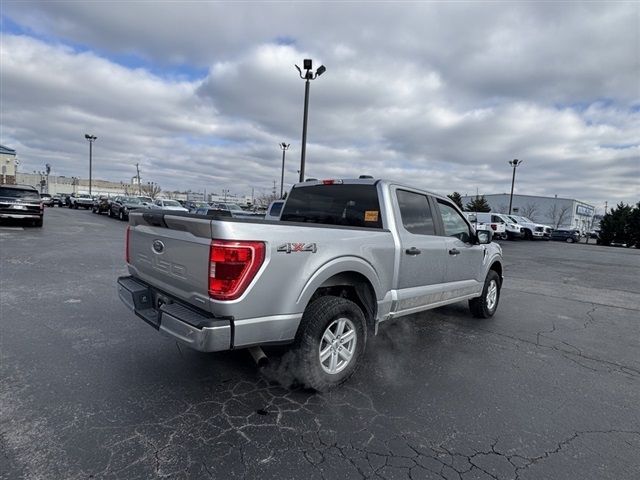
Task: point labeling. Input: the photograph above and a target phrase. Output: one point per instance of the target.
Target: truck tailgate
(172, 254)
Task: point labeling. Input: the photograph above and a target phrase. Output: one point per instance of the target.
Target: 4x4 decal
(297, 247)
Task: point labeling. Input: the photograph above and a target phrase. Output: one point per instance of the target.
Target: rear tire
(486, 304)
(330, 342)
(528, 235)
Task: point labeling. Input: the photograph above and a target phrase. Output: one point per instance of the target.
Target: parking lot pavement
(548, 388)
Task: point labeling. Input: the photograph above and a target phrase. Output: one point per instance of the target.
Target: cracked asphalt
(547, 389)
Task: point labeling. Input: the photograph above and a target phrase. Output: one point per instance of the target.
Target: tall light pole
(308, 75)
(284, 147)
(515, 163)
(91, 138)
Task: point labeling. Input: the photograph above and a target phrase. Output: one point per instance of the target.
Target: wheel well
(497, 267)
(352, 286)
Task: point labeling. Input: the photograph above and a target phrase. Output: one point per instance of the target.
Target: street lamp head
(307, 64)
(321, 70)
(90, 137)
(284, 146)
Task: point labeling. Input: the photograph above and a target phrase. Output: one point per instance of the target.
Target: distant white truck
(531, 229)
(488, 221)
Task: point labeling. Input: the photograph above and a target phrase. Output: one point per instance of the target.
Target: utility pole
(91, 138)
(273, 192)
(284, 147)
(138, 175)
(514, 163)
(307, 65)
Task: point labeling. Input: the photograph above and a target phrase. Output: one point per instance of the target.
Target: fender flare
(334, 267)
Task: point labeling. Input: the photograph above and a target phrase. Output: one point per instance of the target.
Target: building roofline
(532, 196)
(7, 150)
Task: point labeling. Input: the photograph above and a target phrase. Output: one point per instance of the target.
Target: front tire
(330, 342)
(570, 240)
(486, 305)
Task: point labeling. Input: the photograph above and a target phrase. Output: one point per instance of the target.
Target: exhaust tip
(259, 356)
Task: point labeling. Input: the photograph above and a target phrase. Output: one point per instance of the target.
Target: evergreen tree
(457, 199)
(478, 204)
(615, 225)
(634, 226)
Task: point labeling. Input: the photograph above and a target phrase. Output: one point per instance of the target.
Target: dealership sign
(584, 210)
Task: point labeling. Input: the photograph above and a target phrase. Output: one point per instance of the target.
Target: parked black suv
(121, 206)
(568, 235)
(21, 202)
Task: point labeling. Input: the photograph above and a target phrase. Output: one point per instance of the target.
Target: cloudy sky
(440, 95)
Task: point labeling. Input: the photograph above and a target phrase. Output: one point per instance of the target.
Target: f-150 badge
(297, 247)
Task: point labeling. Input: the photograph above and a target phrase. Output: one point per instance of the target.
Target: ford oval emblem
(158, 246)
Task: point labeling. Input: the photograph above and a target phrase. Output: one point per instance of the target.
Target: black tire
(480, 306)
(317, 319)
(121, 215)
(70, 205)
(110, 212)
(528, 235)
(569, 240)
(38, 223)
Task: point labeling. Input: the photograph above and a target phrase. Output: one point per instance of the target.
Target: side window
(159, 203)
(415, 212)
(454, 224)
(496, 219)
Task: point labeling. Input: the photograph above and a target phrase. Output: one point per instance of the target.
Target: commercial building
(8, 164)
(554, 211)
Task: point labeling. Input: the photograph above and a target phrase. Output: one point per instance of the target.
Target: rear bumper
(194, 329)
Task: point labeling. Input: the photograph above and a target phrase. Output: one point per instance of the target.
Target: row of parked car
(513, 227)
(122, 205)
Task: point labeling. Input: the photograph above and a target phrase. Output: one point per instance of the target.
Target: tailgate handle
(412, 251)
(454, 251)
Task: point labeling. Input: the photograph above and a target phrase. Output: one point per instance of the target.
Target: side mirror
(484, 236)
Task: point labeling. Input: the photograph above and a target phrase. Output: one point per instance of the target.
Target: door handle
(454, 251)
(412, 251)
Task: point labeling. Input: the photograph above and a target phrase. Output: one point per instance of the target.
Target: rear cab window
(350, 205)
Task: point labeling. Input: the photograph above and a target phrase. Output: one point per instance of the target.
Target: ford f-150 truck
(345, 256)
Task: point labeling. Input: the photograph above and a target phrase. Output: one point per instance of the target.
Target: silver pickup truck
(345, 256)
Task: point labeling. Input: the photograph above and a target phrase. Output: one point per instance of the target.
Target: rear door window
(415, 213)
(348, 205)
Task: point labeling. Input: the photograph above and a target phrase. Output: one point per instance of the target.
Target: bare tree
(265, 199)
(151, 190)
(529, 211)
(558, 215)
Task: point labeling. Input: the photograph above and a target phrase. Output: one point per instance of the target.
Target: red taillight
(126, 245)
(494, 226)
(232, 267)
